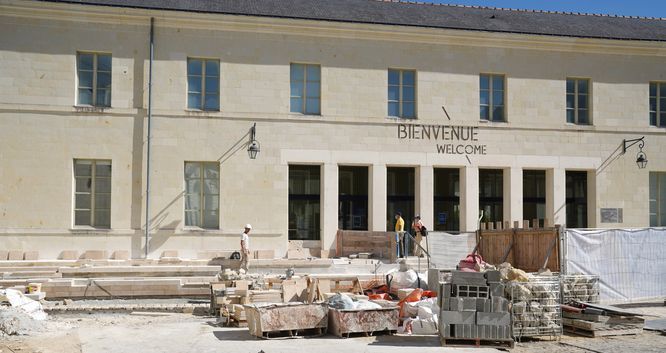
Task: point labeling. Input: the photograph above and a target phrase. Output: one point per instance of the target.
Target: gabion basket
(582, 288)
(535, 307)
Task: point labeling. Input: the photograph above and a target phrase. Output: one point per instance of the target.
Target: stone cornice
(328, 29)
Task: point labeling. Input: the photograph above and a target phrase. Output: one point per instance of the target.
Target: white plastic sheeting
(447, 249)
(631, 263)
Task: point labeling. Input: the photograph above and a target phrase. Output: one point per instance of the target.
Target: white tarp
(631, 263)
(447, 249)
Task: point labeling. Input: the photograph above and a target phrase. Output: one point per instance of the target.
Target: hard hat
(248, 226)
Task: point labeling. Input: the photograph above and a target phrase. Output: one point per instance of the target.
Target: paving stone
(497, 319)
(458, 317)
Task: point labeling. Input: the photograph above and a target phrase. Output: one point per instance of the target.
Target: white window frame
(304, 97)
(94, 79)
(491, 104)
(401, 99)
(93, 191)
(204, 76)
(576, 94)
(659, 109)
(202, 194)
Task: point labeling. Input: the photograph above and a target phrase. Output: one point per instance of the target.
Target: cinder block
(457, 317)
(3, 255)
(120, 255)
(483, 305)
(15, 255)
(496, 319)
(496, 289)
(492, 276)
(468, 278)
(69, 255)
(31, 255)
(445, 330)
(500, 305)
(469, 291)
(466, 331)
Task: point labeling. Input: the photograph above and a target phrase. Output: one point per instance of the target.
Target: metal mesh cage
(582, 288)
(535, 307)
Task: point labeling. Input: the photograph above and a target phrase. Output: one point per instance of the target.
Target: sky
(645, 8)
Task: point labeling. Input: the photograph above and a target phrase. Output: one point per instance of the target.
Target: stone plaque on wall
(611, 215)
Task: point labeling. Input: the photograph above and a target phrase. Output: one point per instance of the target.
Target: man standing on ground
(399, 233)
(417, 225)
(245, 247)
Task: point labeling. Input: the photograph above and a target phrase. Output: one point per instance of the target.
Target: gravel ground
(175, 332)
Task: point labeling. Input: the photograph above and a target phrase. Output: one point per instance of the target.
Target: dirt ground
(167, 332)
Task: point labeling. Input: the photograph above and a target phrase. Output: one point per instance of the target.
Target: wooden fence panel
(529, 251)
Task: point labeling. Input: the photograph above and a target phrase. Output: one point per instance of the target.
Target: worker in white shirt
(245, 247)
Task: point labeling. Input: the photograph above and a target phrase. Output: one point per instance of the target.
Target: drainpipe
(150, 105)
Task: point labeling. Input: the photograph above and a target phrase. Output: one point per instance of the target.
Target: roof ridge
(521, 10)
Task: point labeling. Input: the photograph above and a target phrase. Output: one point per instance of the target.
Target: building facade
(356, 120)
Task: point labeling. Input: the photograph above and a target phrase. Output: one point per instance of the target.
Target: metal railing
(410, 239)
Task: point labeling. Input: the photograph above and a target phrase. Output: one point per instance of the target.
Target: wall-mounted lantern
(253, 147)
(641, 157)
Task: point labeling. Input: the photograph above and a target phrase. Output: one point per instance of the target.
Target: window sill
(483, 121)
(398, 118)
(85, 229)
(90, 109)
(200, 230)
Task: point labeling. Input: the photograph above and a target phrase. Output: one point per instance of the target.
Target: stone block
(496, 319)
(95, 255)
(324, 254)
(68, 255)
(483, 305)
(468, 278)
(296, 254)
(169, 253)
(15, 255)
(457, 317)
(496, 289)
(120, 255)
(31, 255)
(295, 245)
(264, 254)
(500, 305)
(3, 255)
(492, 276)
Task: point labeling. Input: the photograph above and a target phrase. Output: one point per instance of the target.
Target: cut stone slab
(95, 255)
(69, 255)
(169, 253)
(31, 255)
(15, 255)
(264, 319)
(3, 255)
(121, 255)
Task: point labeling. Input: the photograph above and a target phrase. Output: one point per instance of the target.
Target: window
(202, 194)
(203, 84)
(578, 101)
(94, 74)
(491, 95)
(534, 195)
(402, 93)
(304, 202)
(92, 193)
(657, 199)
(353, 198)
(305, 89)
(447, 199)
(491, 194)
(658, 104)
(576, 200)
(400, 195)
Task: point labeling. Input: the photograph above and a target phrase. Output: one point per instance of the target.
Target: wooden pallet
(367, 334)
(301, 333)
(476, 342)
(601, 333)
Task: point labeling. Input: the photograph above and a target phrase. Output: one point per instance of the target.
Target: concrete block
(15, 255)
(470, 291)
(445, 330)
(95, 255)
(499, 304)
(69, 255)
(3, 255)
(468, 278)
(483, 305)
(469, 304)
(120, 255)
(457, 317)
(169, 253)
(466, 331)
(492, 276)
(31, 255)
(496, 289)
(497, 319)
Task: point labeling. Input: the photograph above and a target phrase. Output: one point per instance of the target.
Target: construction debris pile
(19, 315)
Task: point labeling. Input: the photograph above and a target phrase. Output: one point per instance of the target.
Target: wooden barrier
(526, 249)
(380, 244)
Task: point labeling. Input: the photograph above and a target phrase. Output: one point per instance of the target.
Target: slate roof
(413, 14)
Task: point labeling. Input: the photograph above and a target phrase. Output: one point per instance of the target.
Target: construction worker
(399, 233)
(417, 225)
(245, 248)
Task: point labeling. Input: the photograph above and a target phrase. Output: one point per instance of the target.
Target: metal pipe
(150, 106)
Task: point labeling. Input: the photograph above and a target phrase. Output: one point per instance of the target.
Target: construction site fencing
(529, 249)
(447, 249)
(630, 263)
